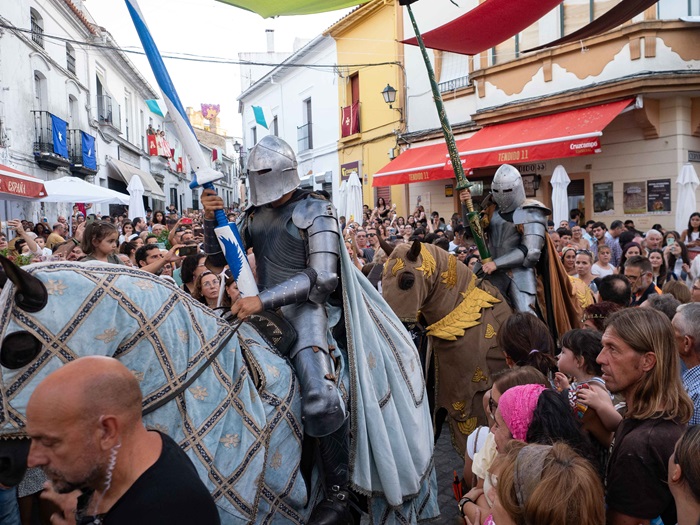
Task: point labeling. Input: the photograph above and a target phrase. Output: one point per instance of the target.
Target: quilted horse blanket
(240, 420)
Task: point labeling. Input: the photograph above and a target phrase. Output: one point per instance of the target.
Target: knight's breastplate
(503, 235)
(280, 251)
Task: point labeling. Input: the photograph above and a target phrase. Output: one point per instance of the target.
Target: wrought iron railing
(108, 111)
(454, 84)
(43, 132)
(37, 33)
(304, 137)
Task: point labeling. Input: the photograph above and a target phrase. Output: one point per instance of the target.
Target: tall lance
(203, 176)
(471, 216)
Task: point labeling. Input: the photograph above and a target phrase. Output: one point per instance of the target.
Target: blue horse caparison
(240, 420)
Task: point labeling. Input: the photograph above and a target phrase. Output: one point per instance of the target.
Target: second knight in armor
(516, 237)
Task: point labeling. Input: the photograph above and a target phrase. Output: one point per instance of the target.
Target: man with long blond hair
(640, 361)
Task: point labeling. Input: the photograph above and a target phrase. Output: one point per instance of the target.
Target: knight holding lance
(516, 232)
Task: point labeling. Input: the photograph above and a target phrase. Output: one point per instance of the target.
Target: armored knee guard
(322, 407)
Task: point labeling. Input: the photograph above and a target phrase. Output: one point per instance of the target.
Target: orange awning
(14, 183)
(566, 134)
(418, 164)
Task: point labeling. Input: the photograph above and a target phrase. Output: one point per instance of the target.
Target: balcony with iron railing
(78, 157)
(108, 115)
(454, 84)
(304, 137)
(44, 147)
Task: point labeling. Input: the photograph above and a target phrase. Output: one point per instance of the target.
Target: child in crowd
(602, 267)
(579, 373)
(100, 242)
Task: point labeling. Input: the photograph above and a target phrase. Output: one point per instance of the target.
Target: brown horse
(462, 316)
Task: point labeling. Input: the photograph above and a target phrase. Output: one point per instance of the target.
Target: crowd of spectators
(164, 243)
(590, 429)
(596, 427)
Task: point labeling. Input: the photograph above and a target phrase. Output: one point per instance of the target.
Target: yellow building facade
(370, 35)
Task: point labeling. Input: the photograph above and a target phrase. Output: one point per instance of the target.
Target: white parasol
(560, 200)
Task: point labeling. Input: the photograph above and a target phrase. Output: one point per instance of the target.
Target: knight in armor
(295, 237)
(516, 231)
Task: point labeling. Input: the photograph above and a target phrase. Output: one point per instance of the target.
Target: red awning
(486, 26)
(18, 184)
(418, 164)
(567, 134)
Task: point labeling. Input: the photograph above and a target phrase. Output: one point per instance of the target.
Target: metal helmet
(272, 170)
(507, 188)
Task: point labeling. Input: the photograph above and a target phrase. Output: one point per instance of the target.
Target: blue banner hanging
(60, 144)
(89, 156)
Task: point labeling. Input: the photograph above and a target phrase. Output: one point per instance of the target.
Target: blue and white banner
(200, 165)
(228, 235)
(232, 245)
(60, 142)
(89, 155)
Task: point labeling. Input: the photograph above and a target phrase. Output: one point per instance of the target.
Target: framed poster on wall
(603, 199)
(634, 198)
(659, 196)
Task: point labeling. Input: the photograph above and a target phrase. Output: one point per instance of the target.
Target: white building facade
(300, 105)
(57, 62)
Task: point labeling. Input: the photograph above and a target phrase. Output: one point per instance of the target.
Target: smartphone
(670, 241)
(188, 250)
(186, 220)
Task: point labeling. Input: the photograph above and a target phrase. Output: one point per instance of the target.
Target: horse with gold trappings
(461, 315)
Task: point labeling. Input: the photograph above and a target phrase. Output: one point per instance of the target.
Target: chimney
(270, 34)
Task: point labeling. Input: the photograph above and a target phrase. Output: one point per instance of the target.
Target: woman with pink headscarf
(534, 414)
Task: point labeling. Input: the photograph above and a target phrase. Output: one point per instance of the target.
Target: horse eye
(18, 350)
(406, 280)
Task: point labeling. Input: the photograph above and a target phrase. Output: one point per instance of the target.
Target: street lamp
(389, 94)
(237, 147)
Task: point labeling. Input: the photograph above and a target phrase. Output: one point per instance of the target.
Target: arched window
(41, 101)
(37, 27)
(73, 116)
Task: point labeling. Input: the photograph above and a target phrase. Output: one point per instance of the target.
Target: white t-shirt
(598, 271)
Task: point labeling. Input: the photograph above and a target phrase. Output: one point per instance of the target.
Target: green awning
(270, 8)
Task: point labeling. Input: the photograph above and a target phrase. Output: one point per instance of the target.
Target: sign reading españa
(18, 184)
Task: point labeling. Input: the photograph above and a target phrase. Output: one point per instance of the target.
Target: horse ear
(31, 294)
(414, 252)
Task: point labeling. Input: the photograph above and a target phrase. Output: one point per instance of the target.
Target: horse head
(52, 313)
(423, 279)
